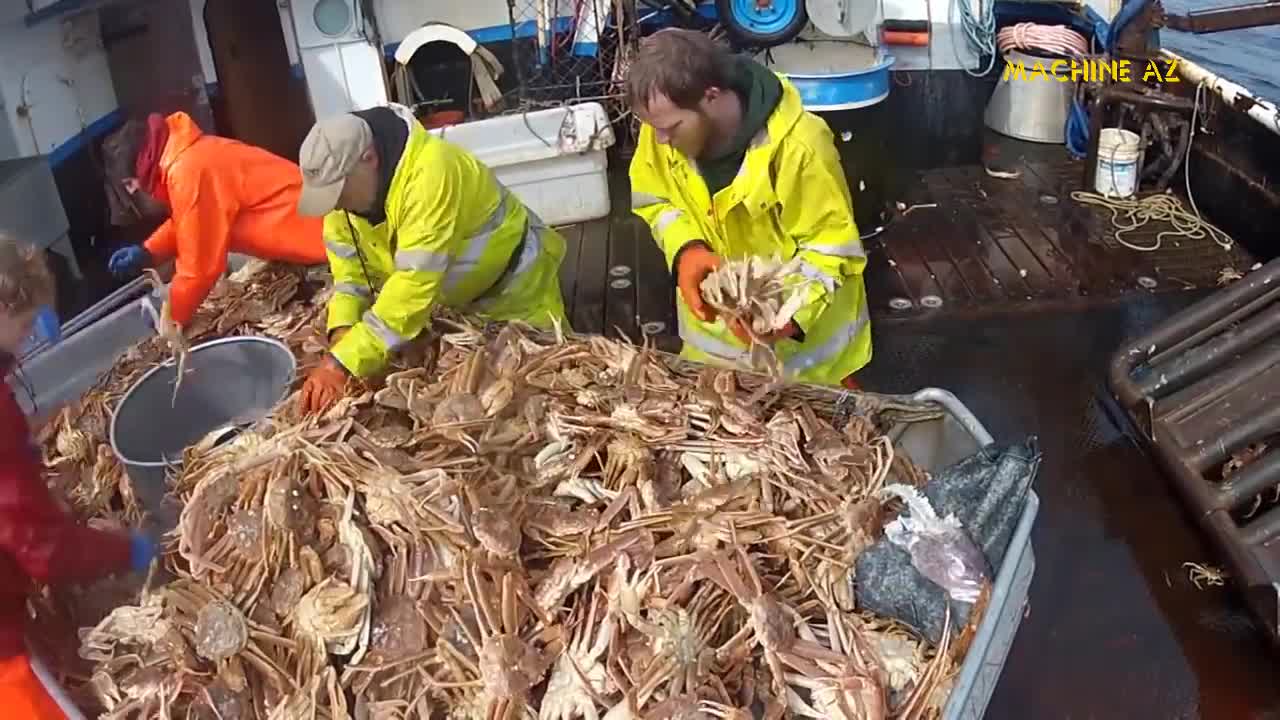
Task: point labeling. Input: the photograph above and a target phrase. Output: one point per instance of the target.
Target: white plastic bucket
(1117, 171)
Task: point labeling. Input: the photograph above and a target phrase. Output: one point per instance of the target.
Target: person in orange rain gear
(219, 196)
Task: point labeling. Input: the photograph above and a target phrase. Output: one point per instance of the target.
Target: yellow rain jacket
(790, 197)
(452, 235)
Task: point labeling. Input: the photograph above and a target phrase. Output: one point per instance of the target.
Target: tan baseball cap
(328, 155)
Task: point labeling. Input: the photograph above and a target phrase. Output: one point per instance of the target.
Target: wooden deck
(972, 244)
(614, 278)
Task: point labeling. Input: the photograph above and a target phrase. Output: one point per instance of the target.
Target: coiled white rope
(1163, 207)
(1129, 214)
(1056, 39)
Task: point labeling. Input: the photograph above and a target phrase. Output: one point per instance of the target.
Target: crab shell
(290, 507)
(221, 631)
(509, 666)
(399, 630)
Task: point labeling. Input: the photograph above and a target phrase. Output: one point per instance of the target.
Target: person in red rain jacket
(38, 541)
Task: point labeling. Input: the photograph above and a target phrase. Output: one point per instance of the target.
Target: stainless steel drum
(1032, 106)
(232, 381)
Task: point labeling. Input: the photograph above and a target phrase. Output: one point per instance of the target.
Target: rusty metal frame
(1106, 97)
(1202, 386)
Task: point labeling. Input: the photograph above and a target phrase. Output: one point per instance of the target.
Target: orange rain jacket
(23, 695)
(226, 196)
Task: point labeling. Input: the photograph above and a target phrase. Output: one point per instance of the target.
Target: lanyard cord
(355, 240)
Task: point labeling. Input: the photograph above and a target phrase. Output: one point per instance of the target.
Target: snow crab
(508, 662)
(168, 330)
(773, 625)
(510, 525)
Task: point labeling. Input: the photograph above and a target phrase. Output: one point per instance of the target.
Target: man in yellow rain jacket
(410, 221)
(729, 164)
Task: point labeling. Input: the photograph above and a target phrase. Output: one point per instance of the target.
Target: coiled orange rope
(1056, 39)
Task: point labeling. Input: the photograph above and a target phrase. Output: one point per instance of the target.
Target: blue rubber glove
(142, 550)
(48, 328)
(128, 260)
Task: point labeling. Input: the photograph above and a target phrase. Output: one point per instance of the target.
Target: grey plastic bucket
(228, 382)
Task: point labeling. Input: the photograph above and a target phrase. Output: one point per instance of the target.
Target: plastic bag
(986, 492)
(940, 549)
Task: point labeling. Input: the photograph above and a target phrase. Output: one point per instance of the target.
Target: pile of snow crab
(260, 299)
(517, 525)
(763, 293)
(84, 473)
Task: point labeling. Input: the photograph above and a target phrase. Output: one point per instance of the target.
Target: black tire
(744, 34)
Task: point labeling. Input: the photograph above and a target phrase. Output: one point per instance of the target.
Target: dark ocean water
(1248, 57)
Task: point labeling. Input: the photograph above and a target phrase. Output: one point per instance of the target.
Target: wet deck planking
(1025, 240)
(620, 297)
(655, 293)
(614, 277)
(593, 269)
(569, 267)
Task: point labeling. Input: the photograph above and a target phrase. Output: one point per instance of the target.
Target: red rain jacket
(226, 196)
(38, 540)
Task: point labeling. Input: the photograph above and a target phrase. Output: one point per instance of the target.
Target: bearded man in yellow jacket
(728, 165)
(412, 221)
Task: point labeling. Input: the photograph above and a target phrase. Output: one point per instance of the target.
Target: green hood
(760, 90)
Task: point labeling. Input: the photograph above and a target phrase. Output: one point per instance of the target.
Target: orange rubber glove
(694, 264)
(323, 386)
(325, 383)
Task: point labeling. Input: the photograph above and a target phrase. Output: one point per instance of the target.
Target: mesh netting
(568, 51)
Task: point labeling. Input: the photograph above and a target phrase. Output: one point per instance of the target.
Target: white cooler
(553, 160)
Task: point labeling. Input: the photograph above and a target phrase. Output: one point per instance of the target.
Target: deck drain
(1147, 282)
(620, 284)
(1049, 199)
(931, 301)
(900, 303)
(653, 327)
(619, 270)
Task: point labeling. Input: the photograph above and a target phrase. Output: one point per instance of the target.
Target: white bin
(553, 160)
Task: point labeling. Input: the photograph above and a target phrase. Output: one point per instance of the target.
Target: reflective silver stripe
(528, 255)
(361, 291)
(813, 273)
(532, 246)
(422, 260)
(665, 219)
(851, 249)
(470, 258)
(838, 341)
(639, 200)
(389, 337)
(710, 344)
(341, 249)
